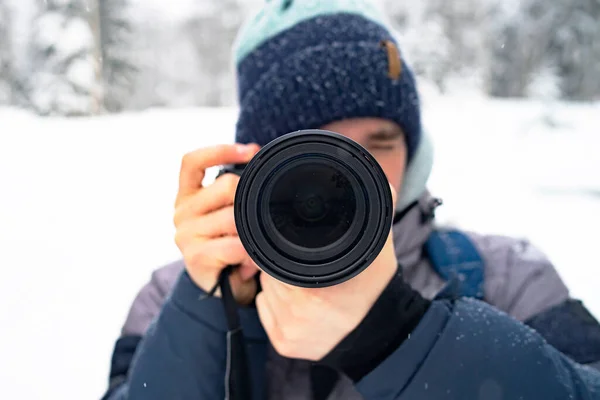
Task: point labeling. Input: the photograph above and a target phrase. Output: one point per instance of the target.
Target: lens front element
(312, 203)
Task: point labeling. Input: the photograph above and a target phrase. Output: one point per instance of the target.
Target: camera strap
(237, 374)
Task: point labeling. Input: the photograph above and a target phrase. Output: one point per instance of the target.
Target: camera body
(313, 208)
(237, 169)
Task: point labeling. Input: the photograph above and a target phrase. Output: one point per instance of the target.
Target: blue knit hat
(302, 64)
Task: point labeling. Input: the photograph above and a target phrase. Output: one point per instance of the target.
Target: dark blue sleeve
(183, 355)
(469, 350)
(571, 329)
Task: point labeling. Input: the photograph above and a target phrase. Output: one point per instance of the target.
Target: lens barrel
(313, 208)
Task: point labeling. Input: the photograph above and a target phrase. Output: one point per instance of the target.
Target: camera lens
(313, 208)
(312, 203)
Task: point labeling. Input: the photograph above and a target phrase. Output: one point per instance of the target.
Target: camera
(312, 208)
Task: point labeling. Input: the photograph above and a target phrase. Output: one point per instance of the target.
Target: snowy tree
(215, 54)
(117, 44)
(430, 52)
(517, 46)
(463, 25)
(183, 58)
(6, 68)
(549, 45)
(422, 40)
(64, 73)
(575, 48)
(510, 67)
(443, 40)
(169, 72)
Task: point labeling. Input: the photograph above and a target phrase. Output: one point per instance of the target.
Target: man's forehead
(365, 127)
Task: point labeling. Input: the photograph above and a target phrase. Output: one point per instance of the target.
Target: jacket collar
(412, 230)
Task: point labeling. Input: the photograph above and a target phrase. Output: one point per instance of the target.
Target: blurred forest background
(87, 57)
(86, 204)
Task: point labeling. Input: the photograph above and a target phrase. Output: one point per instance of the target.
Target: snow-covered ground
(85, 215)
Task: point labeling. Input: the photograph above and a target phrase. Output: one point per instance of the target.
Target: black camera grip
(236, 169)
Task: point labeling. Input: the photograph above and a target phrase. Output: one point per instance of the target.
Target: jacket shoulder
(519, 278)
(471, 333)
(150, 299)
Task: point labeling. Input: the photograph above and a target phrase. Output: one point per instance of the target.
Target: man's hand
(205, 227)
(308, 323)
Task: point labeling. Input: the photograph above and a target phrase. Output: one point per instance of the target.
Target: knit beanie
(301, 64)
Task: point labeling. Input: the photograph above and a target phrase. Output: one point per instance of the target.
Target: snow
(177, 10)
(526, 169)
(52, 27)
(81, 73)
(76, 37)
(86, 211)
(67, 36)
(64, 79)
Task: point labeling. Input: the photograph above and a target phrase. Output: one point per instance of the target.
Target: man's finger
(195, 163)
(212, 198)
(277, 289)
(248, 269)
(217, 253)
(267, 318)
(206, 259)
(244, 290)
(212, 225)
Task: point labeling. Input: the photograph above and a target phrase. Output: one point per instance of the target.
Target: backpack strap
(454, 257)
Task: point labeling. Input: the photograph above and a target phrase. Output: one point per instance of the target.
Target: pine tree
(508, 73)
(6, 68)
(443, 39)
(422, 40)
(463, 26)
(169, 73)
(518, 46)
(575, 48)
(117, 47)
(559, 40)
(213, 32)
(65, 73)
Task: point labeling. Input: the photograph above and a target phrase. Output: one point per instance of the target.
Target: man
(388, 333)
